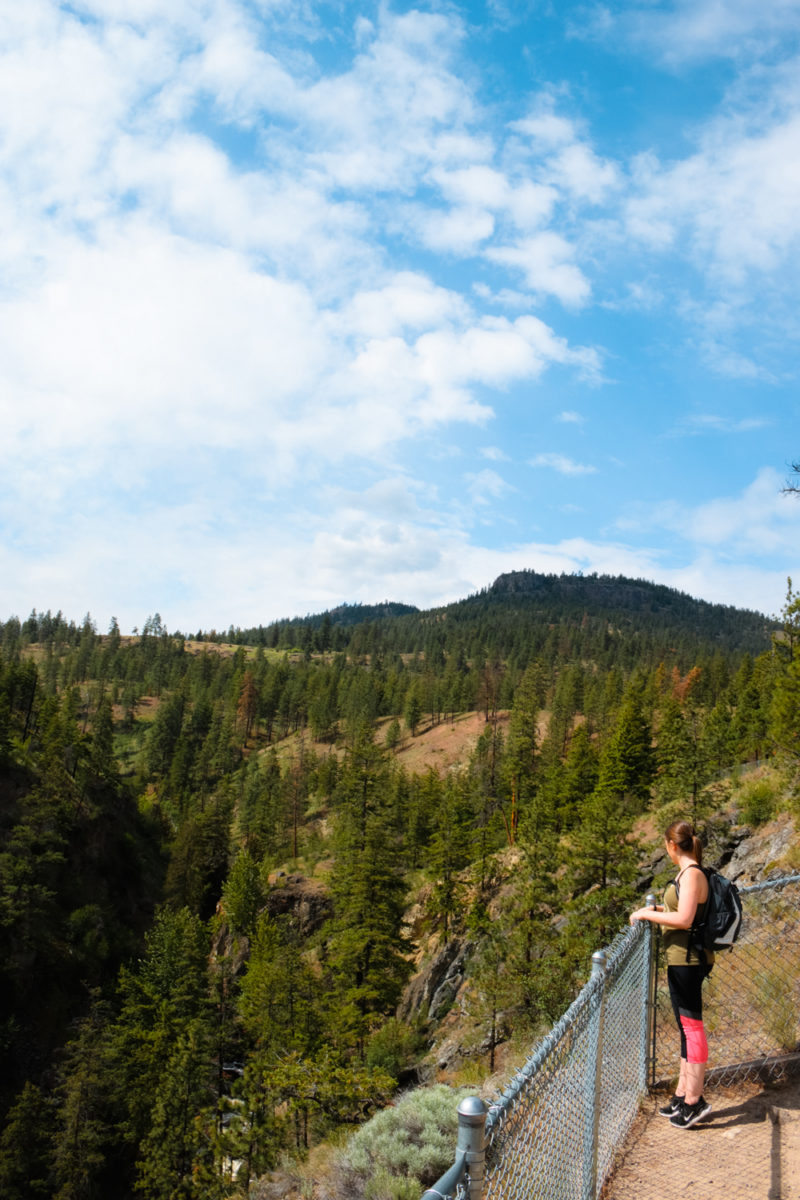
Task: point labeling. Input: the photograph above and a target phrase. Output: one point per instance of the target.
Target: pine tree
(717, 737)
(174, 1140)
(449, 854)
(164, 995)
(26, 1168)
(520, 756)
(412, 712)
(367, 949)
(247, 706)
(281, 997)
(84, 1132)
(243, 894)
(102, 754)
(580, 775)
(683, 765)
(627, 764)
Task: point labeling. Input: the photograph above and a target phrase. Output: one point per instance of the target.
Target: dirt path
(748, 1147)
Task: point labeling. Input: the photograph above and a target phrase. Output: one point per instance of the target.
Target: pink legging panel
(696, 1041)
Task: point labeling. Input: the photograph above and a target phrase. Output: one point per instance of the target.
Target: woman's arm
(691, 886)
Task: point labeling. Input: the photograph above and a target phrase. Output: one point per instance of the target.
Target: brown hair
(682, 834)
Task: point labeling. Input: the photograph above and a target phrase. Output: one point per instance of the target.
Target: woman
(684, 899)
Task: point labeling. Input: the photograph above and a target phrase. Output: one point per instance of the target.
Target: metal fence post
(472, 1138)
(470, 1153)
(650, 1018)
(594, 1081)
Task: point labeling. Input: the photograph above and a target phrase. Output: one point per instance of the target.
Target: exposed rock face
(758, 856)
(734, 850)
(430, 994)
(306, 902)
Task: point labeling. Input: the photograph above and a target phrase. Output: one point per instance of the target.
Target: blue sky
(304, 303)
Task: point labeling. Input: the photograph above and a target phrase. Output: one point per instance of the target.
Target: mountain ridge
(620, 591)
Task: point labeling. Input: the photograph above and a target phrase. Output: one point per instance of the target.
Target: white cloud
(760, 522)
(458, 230)
(401, 83)
(486, 486)
(562, 464)
(728, 362)
(406, 302)
(736, 197)
(547, 129)
(394, 539)
(713, 423)
(690, 30)
(565, 162)
(582, 174)
(545, 261)
(483, 188)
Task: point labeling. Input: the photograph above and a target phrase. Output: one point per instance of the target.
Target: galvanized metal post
(470, 1153)
(472, 1138)
(650, 1055)
(594, 1082)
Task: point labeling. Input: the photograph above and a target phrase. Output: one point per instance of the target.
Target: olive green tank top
(676, 941)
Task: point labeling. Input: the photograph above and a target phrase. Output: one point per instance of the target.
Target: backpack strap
(699, 950)
(688, 867)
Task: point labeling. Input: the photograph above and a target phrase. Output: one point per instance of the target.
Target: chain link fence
(555, 1131)
(751, 1000)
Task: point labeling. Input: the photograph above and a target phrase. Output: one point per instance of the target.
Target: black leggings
(686, 994)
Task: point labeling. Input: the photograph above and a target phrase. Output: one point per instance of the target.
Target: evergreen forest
(221, 864)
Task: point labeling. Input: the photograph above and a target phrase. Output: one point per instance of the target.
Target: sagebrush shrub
(405, 1148)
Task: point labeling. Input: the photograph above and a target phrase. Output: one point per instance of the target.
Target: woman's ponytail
(684, 837)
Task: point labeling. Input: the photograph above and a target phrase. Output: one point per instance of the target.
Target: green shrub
(394, 1046)
(404, 1149)
(775, 1000)
(385, 1186)
(758, 800)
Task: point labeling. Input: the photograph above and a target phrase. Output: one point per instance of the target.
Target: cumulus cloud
(758, 522)
(690, 30)
(545, 260)
(737, 194)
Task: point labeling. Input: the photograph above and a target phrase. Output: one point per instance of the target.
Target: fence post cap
(472, 1110)
(599, 960)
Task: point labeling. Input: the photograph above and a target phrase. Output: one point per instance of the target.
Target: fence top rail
(769, 883)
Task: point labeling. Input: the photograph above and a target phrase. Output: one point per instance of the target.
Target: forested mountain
(210, 847)
(514, 616)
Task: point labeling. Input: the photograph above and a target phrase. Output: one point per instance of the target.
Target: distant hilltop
(615, 590)
(521, 606)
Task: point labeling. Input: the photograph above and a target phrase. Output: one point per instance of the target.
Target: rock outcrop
(305, 902)
(430, 994)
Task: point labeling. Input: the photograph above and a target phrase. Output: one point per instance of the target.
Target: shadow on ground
(748, 1147)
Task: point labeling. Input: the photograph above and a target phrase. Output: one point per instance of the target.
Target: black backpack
(722, 919)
